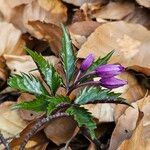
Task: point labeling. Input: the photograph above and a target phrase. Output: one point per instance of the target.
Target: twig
(4, 142)
(38, 125)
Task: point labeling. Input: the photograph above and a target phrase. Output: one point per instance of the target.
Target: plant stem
(4, 142)
(78, 80)
(38, 125)
(91, 83)
(77, 77)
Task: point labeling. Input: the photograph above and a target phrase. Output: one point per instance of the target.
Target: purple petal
(87, 62)
(109, 70)
(112, 82)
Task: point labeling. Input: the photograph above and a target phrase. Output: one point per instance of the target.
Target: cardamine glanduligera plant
(56, 106)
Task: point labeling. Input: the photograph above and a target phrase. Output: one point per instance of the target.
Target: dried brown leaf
(130, 42)
(11, 123)
(145, 3)
(14, 3)
(79, 31)
(114, 11)
(26, 114)
(33, 12)
(18, 64)
(81, 2)
(10, 38)
(60, 130)
(140, 138)
(132, 92)
(124, 127)
(48, 32)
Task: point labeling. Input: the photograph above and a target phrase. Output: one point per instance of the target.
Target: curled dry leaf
(14, 3)
(10, 40)
(111, 112)
(125, 126)
(25, 63)
(130, 42)
(114, 11)
(81, 2)
(27, 115)
(131, 92)
(37, 142)
(140, 138)
(10, 126)
(140, 16)
(60, 130)
(145, 3)
(33, 11)
(79, 31)
(49, 32)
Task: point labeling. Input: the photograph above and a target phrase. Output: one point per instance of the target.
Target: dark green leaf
(68, 56)
(98, 95)
(54, 101)
(27, 83)
(100, 61)
(48, 72)
(83, 118)
(38, 104)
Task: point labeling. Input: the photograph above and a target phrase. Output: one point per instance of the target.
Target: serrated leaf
(98, 95)
(38, 104)
(54, 101)
(83, 118)
(27, 83)
(48, 72)
(100, 61)
(67, 55)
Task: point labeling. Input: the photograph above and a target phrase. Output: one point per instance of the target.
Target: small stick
(38, 125)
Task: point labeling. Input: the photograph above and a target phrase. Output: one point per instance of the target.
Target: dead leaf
(79, 31)
(140, 16)
(145, 3)
(130, 42)
(114, 11)
(132, 92)
(15, 3)
(10, 40)
(124, 127)
(48, 32)
(60, 130)
(37, 142)
(10, 126)
(81, 2)
(18, 64)
(140, 138)
(26, 114)
(33, 12)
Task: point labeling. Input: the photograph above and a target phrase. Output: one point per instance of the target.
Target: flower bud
(87, 62)
(112, 82)
(109, 70)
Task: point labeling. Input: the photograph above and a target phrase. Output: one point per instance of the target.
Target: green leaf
(54, 101)
(27, 83)
(83, 118)
(100, 61)
(98, 95)
(48, 72)
(67, 55)
(38, 104)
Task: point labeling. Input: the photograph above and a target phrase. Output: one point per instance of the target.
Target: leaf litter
(103, 26)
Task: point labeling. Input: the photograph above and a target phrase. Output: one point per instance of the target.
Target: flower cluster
(107, 73)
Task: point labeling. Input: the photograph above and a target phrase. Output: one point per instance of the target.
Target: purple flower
(87, 62)
(109, 70)
(112, 82)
